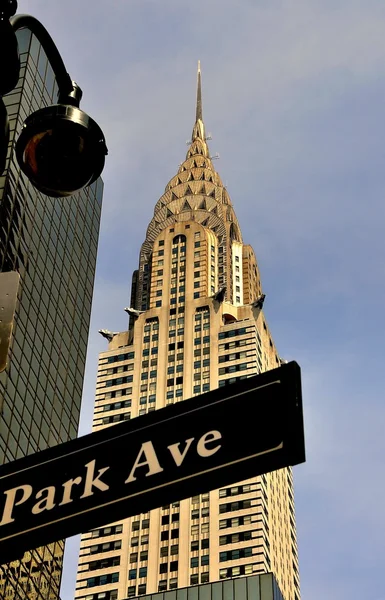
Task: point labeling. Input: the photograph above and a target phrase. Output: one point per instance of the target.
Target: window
(174, 533)
(132, 574)
(204, 559)
(161, 243)
(194, 579)
(163, 568)
(131, 591)
(164, 536)
(197, 244)
(141, 589)
(174, 549)
(205, 577)
(173, 583)
(143, 572)
(194, 562)
(195, 513)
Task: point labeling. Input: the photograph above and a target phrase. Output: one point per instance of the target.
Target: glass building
(255, 587)
(52, 243)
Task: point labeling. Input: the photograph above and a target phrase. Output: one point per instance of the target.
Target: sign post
(229, 434)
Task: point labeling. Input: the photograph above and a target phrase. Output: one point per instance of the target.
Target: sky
(294, 96)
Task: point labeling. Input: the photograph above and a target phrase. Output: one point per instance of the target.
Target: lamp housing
(61, 150)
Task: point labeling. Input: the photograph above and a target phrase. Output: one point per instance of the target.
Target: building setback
(52, 243)
(196, 323)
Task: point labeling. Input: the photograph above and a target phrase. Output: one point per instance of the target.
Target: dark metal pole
(68, 92)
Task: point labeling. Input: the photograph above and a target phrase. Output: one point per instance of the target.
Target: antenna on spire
(199, 93)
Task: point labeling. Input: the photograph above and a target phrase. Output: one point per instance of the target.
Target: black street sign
(230, 434)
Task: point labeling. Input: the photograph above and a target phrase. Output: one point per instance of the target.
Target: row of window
(141, 556)
(104, 531)
(107, 547)
(165, 519)
(143, 540)
(237, 489)
(196, 513)
(137, 573)
(231, 333)
(120, 357)
(164, 551)
(102, 579)
(235, 554)
(117, 394)
(104, 563)
(233, 344)
(173, 534)
(235, 368)
(165, 567)
(145, 524)
(234, 356)
(204, 560)
(109, 595)
(194, 579)
(131, 592)
(116, 405)
(116, 418)
(231, 380)
(205, 543)
(119, 381)
(236, 571)
(234, 538)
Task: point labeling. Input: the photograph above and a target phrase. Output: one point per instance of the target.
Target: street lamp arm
(64, 81)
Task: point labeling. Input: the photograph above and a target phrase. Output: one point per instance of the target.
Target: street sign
(9, 284)
(229, 434)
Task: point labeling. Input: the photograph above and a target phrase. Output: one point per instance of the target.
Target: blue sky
(294, 95)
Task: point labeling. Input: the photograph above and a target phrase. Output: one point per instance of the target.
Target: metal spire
(199, 94)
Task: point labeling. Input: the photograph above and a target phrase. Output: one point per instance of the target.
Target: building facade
(196, 323)
(52, 243)
(253, 587)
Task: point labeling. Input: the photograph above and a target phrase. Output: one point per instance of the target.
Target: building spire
(199, 94)
(199, 128)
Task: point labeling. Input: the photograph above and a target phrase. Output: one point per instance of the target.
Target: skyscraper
(52, 243)
(196, 323)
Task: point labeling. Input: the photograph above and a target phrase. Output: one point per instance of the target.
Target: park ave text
(92, 480)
